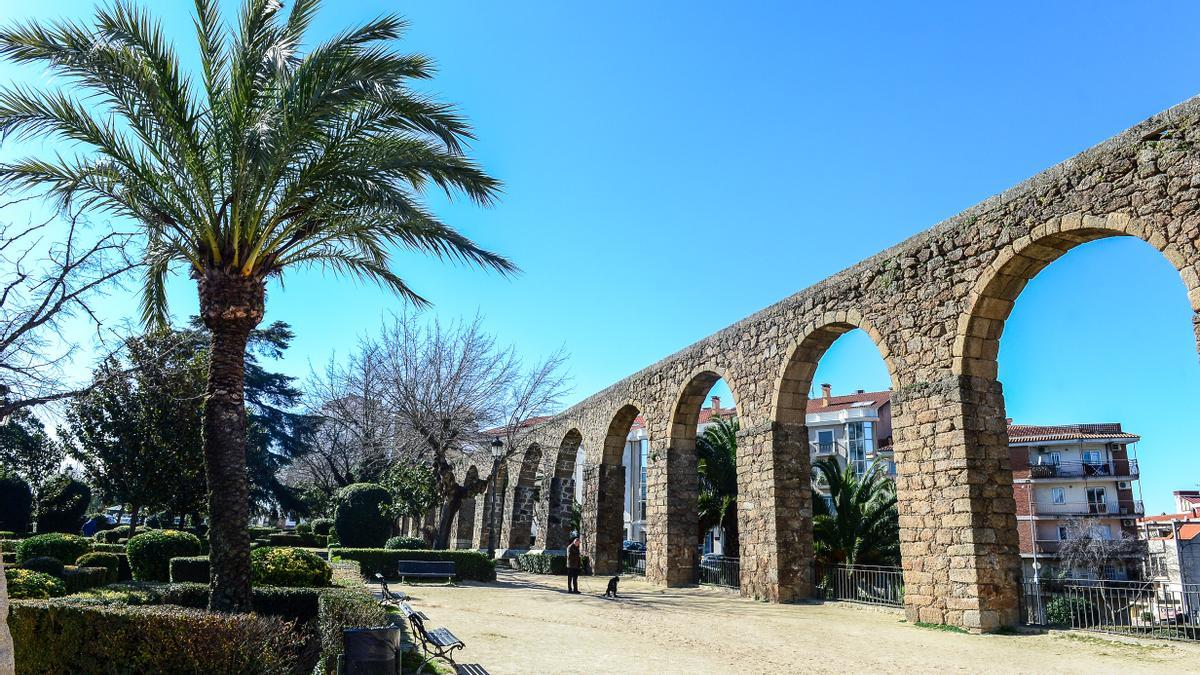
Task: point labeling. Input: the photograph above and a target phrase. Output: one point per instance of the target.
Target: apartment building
(1173, 550)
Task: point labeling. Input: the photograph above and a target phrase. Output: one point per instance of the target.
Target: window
(1102, 532)
(642, 493)
(1097, 498)
(825, 441)
(859, 437)
(1062, 532)
(1050, 458)
(1058, 495)
(1091, 457)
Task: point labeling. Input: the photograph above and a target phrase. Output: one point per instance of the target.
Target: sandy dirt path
(527, 624)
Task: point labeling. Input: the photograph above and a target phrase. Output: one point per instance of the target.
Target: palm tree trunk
(231, 306)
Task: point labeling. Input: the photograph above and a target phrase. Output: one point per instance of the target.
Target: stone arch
(671, 498)
(604, 493)
(520, 498)
(618, 430)
(464, 529)
(561, 496)
(795, 377)
(977, 344)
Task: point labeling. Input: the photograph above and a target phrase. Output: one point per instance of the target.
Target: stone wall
(935, 306)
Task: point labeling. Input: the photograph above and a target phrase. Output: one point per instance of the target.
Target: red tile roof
(1028, 433)
(816, 404)
(1189, 532)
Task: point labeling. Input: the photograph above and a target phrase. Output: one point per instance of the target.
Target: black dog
(611, 591)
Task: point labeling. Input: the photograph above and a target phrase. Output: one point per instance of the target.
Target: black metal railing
(866, 584)
(1137, 608)
(633, 562)
(723, 571)
(1108, 469)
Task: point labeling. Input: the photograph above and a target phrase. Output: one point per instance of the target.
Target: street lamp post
(497, 452)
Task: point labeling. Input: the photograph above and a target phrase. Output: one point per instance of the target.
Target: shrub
(468, 565)
(27, 584)
(282, 566)
(289, 603)
(405, 543)
(16, 504)
(9, 545)
(322, 526)
(45, 565)
(77, 578)
(117, 534)
(53, 545)
(64, 503)
(1066, 611)
(118, 638)
(360, 516)
(284, 539)
(190, 568)
(303, 528)
(262, 532)
(111, 562)
(99, 547)
(150, 553)
(342, 608)
(545, 563)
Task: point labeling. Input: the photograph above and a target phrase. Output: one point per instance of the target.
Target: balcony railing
(824, 449)
(1121, 508)
(1123, 468)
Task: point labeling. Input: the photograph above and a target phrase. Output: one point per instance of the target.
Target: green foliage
(285, 539)
(281, 566)
(150, 553)
(303, 528)
(108, 548)
(117, 534)
(122, 638)
(544, 563)
(62, 505)
(288, 603)
(361, 516)
(343, 608)
(716, 451)
(406, 543)
(468, 565)
(45, 565)
(28, 584)
(322, 526)
(189, 568)
(1066, 610)
(413, 487)
(16, 503)
(28, 451)
(863, 526)
(77, 578)
(53, 545)
(109, 561)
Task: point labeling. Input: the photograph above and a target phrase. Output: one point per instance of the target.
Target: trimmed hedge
(257, 532)
(24, 584)
(150, 553)
(322, 526)
(546, 563)
(118, 638)
(117, 533)
(45, 565)
(78, 579)
(287, 539)
(189, 568)
(109, 561)
(360, 517)
(292, 567)
(98, 547)
(468, 565)
(53, 545)
(342, 608)
(406, 544)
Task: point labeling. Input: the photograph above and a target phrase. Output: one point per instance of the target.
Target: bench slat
(442, 637)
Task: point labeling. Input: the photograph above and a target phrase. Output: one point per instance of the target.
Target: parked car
(634, 546)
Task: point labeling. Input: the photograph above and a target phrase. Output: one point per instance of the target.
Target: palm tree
(716, 450)
(862, 526)
(276, 159)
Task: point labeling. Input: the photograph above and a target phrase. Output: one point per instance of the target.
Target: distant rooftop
(1030, 433)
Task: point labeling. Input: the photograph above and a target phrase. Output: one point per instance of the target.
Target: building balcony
(1121, 468)
(826, 449)
(1130, 508)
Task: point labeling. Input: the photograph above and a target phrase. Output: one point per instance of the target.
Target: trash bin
(371, 651)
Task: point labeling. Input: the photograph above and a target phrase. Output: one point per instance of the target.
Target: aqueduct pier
(935, 306)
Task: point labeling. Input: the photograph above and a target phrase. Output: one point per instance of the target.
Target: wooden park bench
(388, 594)
(426, 569)
(437, 643)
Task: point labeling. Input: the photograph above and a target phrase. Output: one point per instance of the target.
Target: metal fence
(1137, 608)
(633, 562)
(725, 572)
(867, 584)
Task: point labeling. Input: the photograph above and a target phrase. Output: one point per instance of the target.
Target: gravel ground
(528, 624)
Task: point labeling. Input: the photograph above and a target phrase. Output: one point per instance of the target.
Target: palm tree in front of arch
(860, 523)
(270, 159)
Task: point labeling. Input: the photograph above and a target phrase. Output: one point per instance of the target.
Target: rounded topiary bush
(16, 503)
(405, 543)
(109, 561)
(53, 545)
(116, 534)
(45, 565)
(360, 517)
(283, 566)
(29, 585)
(64, 503)
(303, 528)
(321, 526)
(150, 553)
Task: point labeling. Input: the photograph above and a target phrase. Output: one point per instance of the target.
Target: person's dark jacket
(574, 561)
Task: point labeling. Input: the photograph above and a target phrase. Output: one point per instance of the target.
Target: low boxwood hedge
(545, 563)
(468, 565)
(150, 553)
(53, 545)
(284, 566)
(109, 561)
(190, 568)
(339, 608)
(30, 584)
(45, 565)
(121, 638)
(100, 547)
(406, 544)
(78, 579)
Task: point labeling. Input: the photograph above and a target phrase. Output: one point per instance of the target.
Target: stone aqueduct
(935, 306)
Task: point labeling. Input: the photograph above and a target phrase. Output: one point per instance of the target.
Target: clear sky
(671, 167)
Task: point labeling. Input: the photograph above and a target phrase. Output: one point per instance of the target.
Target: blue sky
(671, 167)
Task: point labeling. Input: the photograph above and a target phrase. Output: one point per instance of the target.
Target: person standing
(574, 563)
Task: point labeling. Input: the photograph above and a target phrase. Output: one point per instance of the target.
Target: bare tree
(1091, 550)
(451, 390)
(47, 278)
